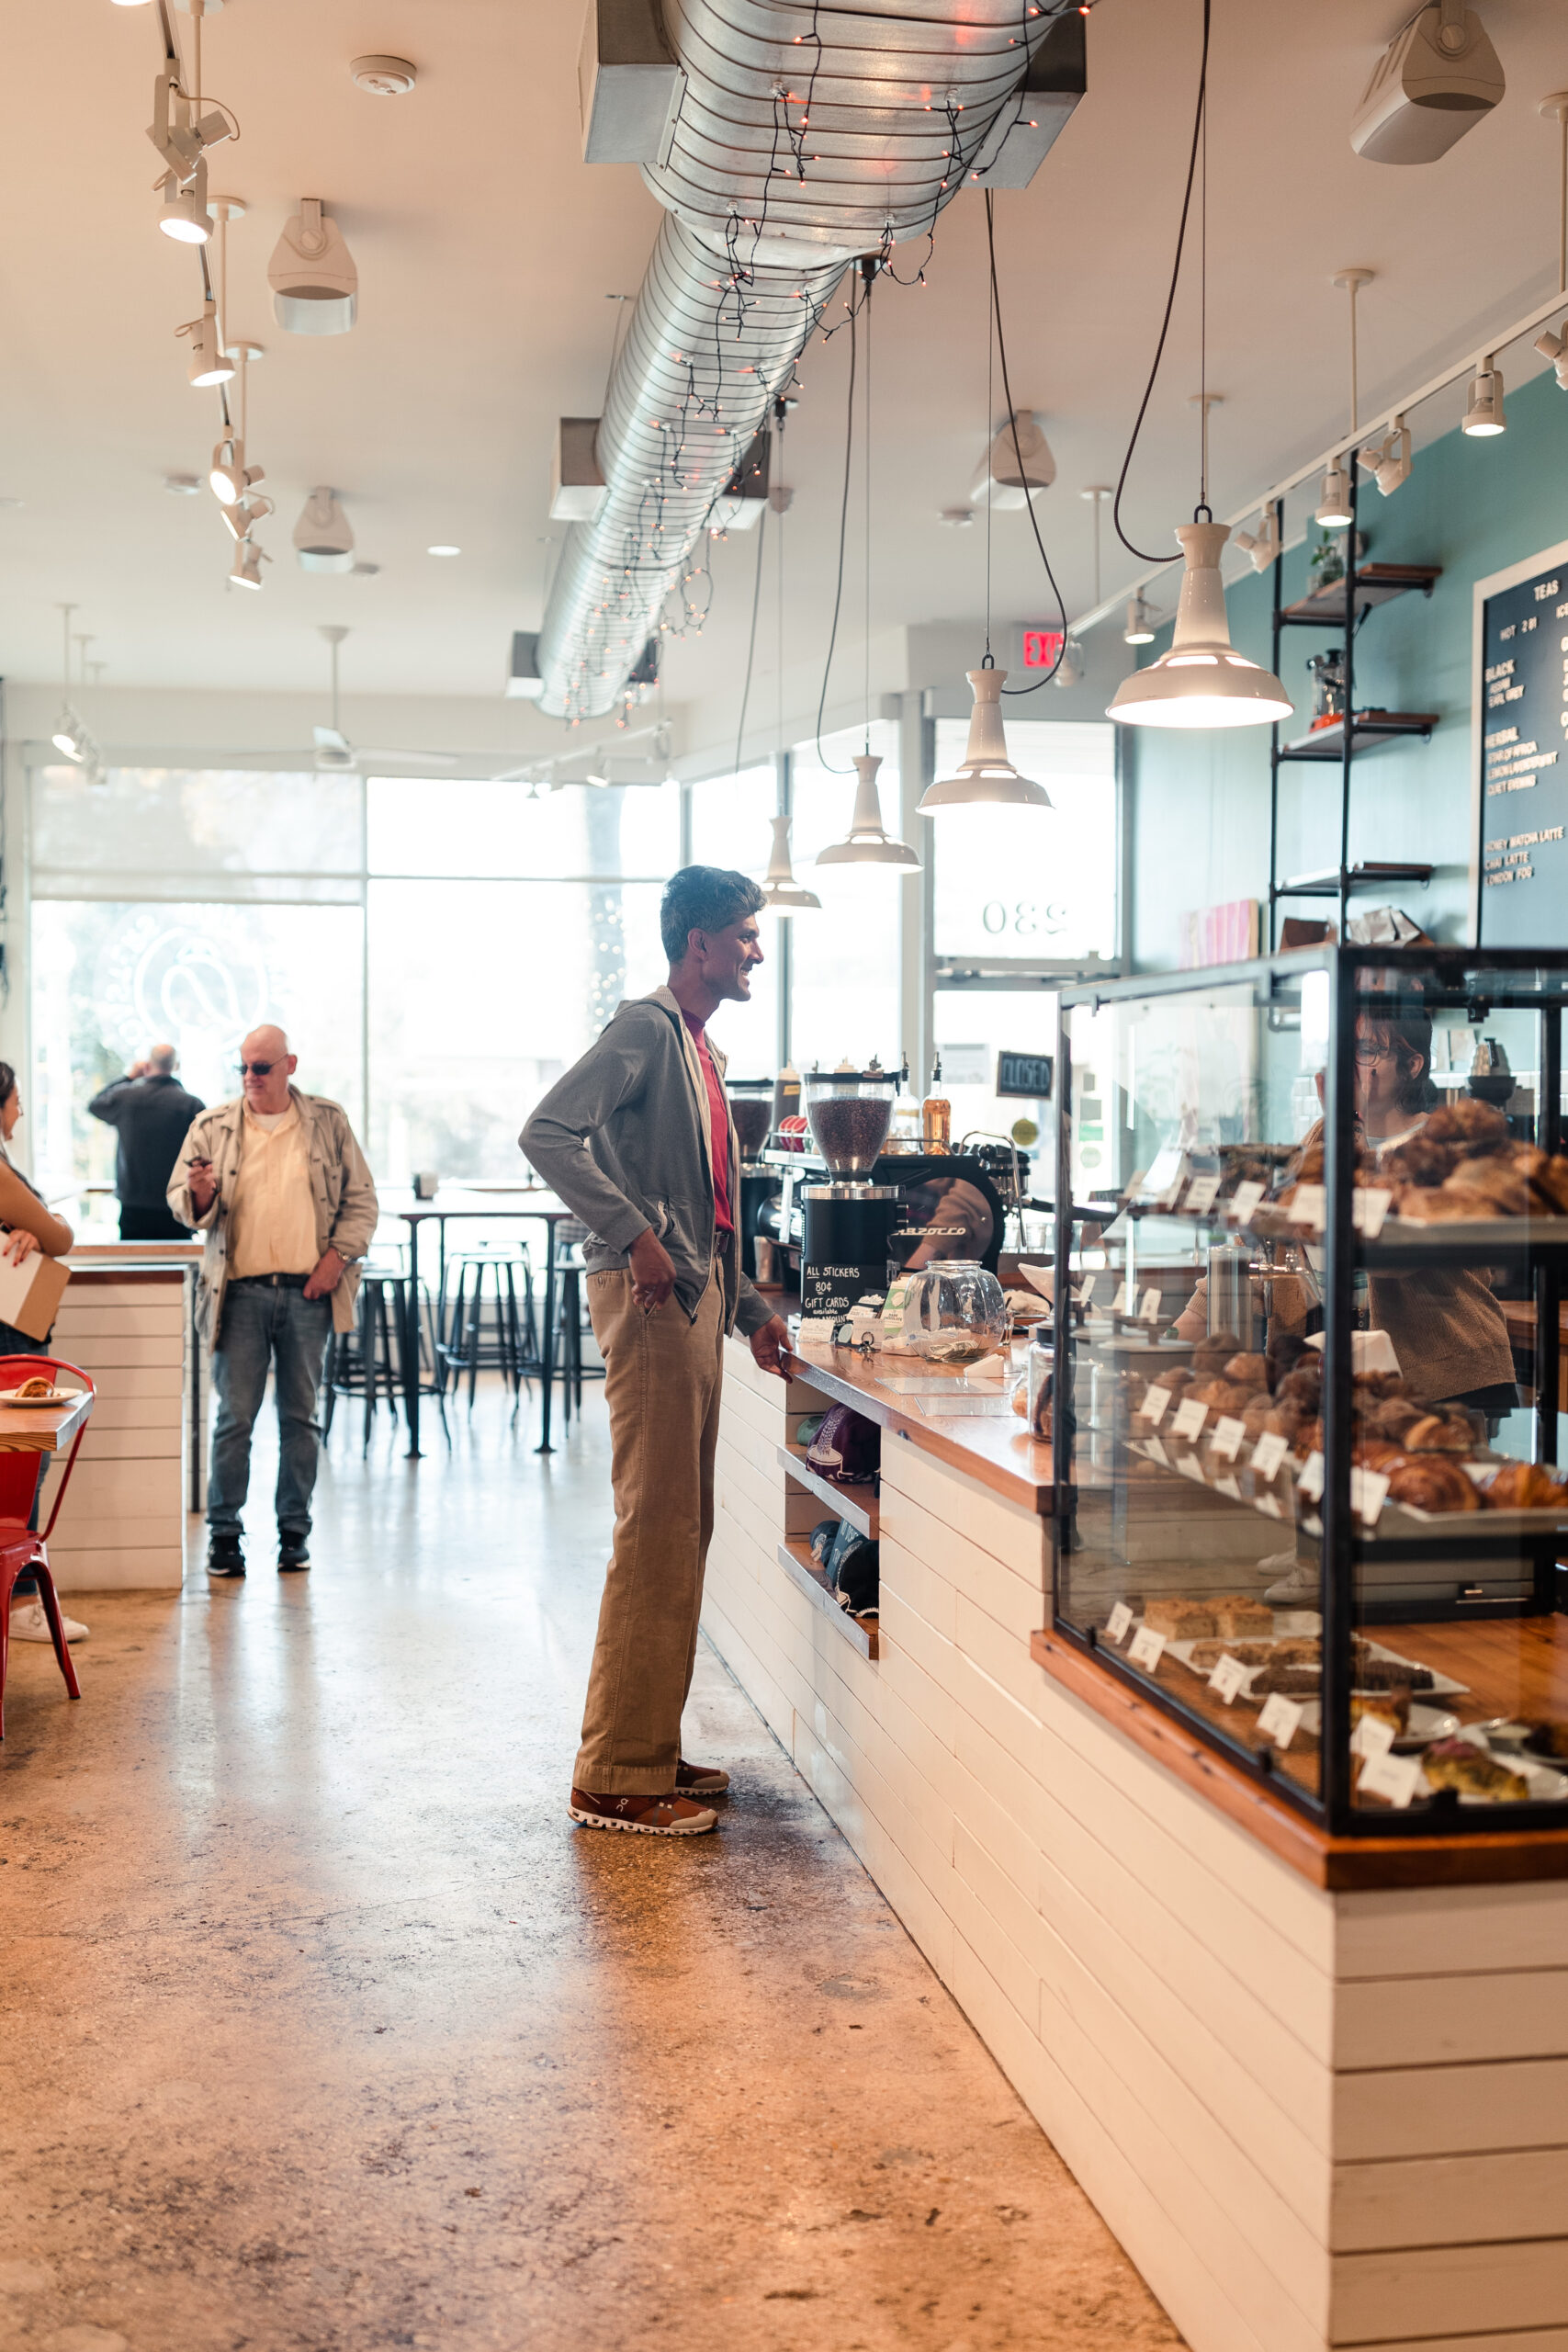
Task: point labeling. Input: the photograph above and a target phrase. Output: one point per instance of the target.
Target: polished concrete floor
(323, 2028)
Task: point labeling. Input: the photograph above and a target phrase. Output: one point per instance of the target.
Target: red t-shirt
(718, 1121)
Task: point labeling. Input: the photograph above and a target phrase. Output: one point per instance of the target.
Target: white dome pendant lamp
(1203, 681)
(782, 894)
(986, 776)
(868, 842)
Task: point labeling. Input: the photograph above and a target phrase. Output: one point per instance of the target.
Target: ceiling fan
(335, 755)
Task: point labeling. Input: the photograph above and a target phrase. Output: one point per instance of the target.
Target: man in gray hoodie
(637, 1139)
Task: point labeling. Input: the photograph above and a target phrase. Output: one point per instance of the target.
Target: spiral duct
(803, 137)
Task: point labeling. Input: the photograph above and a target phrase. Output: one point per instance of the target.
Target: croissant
(1475, 1125)
(1251, 1371)
(1431, 1483)
(1524, 1485)
(1553, 1182)
(36, 1387)
(1439, 1433)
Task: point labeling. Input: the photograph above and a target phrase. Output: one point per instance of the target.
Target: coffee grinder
(843, 1251)
(752, 1115)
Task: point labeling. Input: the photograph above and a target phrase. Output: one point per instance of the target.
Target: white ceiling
(486, 250)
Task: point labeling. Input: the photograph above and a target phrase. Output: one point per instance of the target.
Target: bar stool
(571, 1235)
(509, 1342)
(367, 1361)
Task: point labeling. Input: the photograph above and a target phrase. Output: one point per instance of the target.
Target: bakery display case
(1308, 1407)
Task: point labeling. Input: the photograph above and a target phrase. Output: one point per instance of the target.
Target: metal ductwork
(801, 137)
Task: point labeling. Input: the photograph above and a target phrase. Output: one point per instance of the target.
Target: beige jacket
(341, 1186)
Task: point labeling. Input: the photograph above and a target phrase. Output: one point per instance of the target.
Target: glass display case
(1307, 1404)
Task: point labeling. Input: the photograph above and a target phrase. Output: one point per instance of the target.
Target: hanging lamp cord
(996, 313)
(1141, 553)
(843, 533)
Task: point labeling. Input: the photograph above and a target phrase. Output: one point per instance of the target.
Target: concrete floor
(323, 2028)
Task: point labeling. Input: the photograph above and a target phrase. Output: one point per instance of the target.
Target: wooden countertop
(42, 1429)
(992, 1447)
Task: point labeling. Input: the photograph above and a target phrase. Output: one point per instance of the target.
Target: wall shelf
(1372, 728)
(862, 1516)
(794, 1558)
(1376, 583)
(1331, 882)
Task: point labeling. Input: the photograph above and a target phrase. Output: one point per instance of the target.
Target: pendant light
(986, 774)
(1203, 681)
(868, 842)
(780, 892)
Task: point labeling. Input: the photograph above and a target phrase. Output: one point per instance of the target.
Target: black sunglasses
(257, 1069)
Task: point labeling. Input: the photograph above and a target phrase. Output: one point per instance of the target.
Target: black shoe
(293, 1552)
(225, 1557)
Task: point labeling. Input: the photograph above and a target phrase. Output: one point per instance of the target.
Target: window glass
(845, 1004)
(480, 830)
(730, 827)
(1039, 884)
(971, 1027)
(189, 834)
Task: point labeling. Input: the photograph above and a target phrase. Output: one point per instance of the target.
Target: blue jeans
(263, 1326)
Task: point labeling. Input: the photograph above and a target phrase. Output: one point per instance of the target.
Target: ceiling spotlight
(986, 774)
(1485, 414)
(782, 894)
(1203, 681)
(1334, 504)
(1555, 348)
(443, 550)
(1389, 459)
(248, 561)
(383, 77)
(1260, 548)
(315, 287)
(324, 537)
(1070, 669)
(229, 475)
(183, 213)
(240, 519)
(177, 485)
(1140, 628)
(69, 736)
(208, 363)
(867, 843)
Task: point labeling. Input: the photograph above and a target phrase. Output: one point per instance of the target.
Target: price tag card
(1155, 1452)
(1119, 1624)
(1243, 1201)
(1229, 1678)
(1308, 1207)
(1146, 1648)
(1227, 1437)
(1268, 1453)
(1397, 1778)
(1368, 1209)
(1374, 1735)
(1149, 1307)
(1190, 1468)
(1172, 1193)
(1279, 1719)
(1201, 1194)
(1310, 1482)
(1188, 1417)
(1368, 1492)
(1153, 1407)
(1228, 1487)
(1123, 1302)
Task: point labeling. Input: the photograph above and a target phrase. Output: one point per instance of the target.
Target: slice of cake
(1178, 1619)
(1241, 1619)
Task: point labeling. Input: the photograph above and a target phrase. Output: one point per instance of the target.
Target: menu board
(1524, 762)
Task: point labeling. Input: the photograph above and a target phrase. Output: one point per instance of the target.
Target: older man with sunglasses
(277, 1185)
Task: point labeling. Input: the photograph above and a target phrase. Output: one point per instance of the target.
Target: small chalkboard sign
(1521, 693)
(1025, 1074)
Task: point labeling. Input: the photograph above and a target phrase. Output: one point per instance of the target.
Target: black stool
(571, 1235)
(509, 1344)
(367, 1361)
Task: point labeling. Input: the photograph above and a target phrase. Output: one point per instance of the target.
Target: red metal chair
(22, 1548)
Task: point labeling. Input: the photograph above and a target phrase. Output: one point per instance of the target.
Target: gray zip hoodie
(624, 1139)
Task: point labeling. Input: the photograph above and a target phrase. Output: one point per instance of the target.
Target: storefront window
(1036, 886)
(730, 827)
(845, 998)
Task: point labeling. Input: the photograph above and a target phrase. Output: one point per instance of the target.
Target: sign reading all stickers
(1524, 759)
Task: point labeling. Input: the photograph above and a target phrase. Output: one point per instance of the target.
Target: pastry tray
(1443, 1686)
(1395, 1520)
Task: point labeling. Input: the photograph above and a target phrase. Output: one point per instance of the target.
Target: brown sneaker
(670, 1817)
(700, 1780)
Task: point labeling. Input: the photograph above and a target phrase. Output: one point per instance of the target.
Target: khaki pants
(662, 1379)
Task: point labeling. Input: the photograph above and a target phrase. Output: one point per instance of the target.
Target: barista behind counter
(1445, 1325)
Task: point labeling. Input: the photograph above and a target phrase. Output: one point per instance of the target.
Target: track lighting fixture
(1484, 416)
(1070, 669)
(1203, 681)
(324, 537)
(241, 519)
(248, 561)
(69, 736)
(1140, 628)
(986, 774)
(207, 365)
(183, 214)
(868, 842)
(780, 892)
(1555, 348)
(229, 477)
(1389, 459)
(1261, 547)
(1334, 500)
(315, 287)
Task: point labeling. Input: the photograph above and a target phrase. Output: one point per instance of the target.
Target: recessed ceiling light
(383, 77)
(443, 550)
(182, 485)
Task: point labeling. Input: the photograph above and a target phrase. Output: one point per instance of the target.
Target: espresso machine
(752, 1115)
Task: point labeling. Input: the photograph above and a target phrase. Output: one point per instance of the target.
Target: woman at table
(28, 1225)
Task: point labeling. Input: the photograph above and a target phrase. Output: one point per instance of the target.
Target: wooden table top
(43, 1429)
(993, 1447)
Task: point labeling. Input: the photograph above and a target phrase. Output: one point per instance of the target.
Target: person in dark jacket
(151, 1113)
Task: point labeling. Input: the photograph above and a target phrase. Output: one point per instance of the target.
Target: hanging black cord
(751, 641)
(844, 535)
(1141, 554)
(1017, 454)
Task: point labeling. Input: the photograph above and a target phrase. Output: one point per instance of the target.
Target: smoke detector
(1433, 82)
(383, 77)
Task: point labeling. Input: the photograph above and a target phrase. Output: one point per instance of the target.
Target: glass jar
(849, 1112)
(1039, 1371)
(956, 1312)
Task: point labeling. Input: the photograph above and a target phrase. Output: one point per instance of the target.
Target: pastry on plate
(1238, 1617)
(1384, 1706)
(1251, 1371)
(1474, 1123)
(1208, 1653)
(1259, 1418)
(1221, 1396)
(1551, 1182)
(1439, 1433)
(1523, 1485)
(1460, 1764)
(1431, 1482)
(35, 1386)
(1178, 1619)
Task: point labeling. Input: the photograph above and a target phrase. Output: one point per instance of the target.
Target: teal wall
(1200, 803)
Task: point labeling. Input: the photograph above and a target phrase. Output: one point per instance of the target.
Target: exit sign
(1040, 647)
